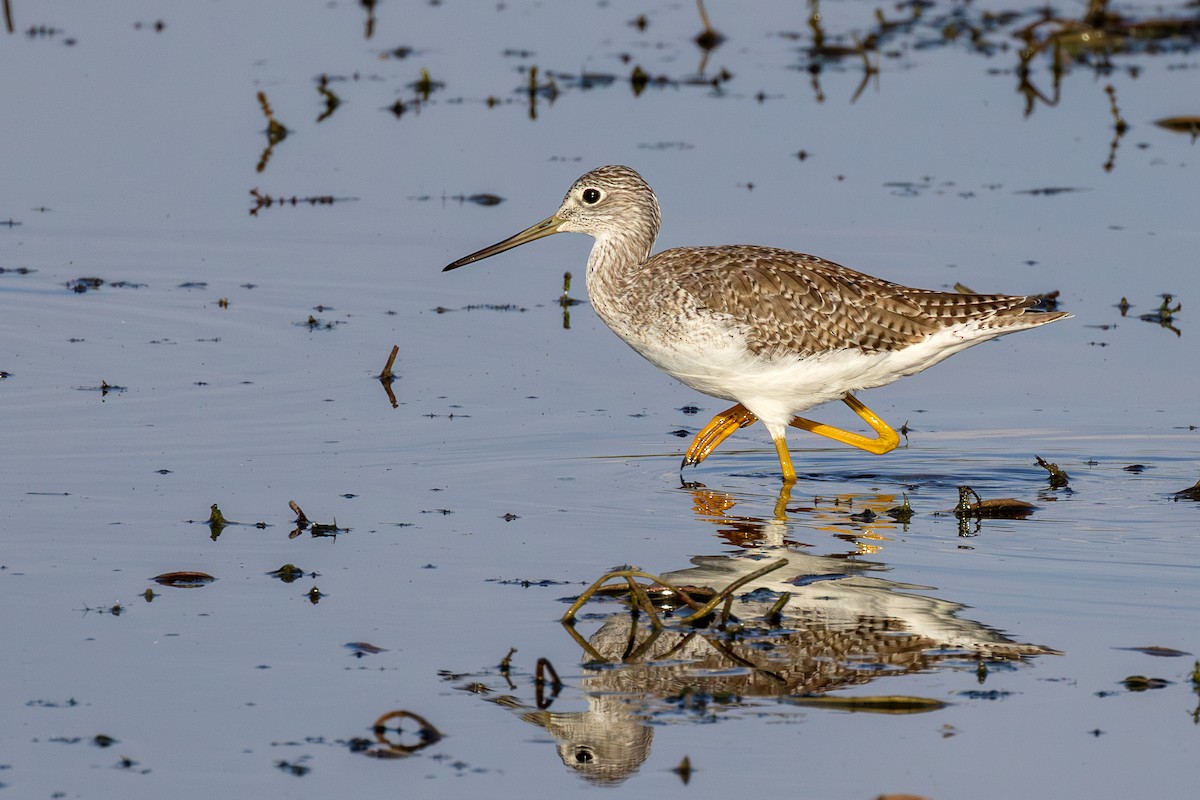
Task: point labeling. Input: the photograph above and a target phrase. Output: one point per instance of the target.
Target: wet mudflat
(178, 334)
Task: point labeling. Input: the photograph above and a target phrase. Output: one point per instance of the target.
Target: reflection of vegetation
(639, 593)
(1092, 41)
(388, 730)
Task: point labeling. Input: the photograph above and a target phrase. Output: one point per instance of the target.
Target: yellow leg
(785, 461)
(886, 438)
(718, 430)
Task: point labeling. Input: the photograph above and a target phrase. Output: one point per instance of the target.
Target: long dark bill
(544, 228)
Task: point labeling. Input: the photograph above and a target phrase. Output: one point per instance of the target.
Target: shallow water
(131, 156)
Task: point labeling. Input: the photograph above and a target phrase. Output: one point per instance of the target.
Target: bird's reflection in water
(843, 624)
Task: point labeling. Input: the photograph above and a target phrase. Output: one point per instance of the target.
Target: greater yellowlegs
(775, 331)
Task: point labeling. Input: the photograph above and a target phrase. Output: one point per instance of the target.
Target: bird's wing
(787, 301)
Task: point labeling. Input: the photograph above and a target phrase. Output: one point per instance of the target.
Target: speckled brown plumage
(803, 304)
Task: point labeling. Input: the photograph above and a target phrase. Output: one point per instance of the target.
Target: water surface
(527, 454)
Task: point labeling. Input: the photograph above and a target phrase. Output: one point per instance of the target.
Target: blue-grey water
(525, 457)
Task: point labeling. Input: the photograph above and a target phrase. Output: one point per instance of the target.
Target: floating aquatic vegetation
(1049, 191)
(104, 388)
(1156, 650)
(426, 85)
(262, 201)
(993, 508)
(317, 529)
(217, 522)
(81, 285)
(903, 512)
(1164, 315)
(314, 323)
(288, 573)
(481, 307)
(1140, 683)
(296, 767)
(1190, 493)
(184, 579)
(1058, 478)
(879, 704)
(1184, 124)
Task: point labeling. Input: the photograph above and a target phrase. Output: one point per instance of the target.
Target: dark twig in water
(300, 518)
(332, 101)
(387, 376)
(276, 132)
(710, 38)
(775, 615)
(369, 28)
(684, 770)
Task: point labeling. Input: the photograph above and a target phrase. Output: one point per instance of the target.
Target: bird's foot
(720, 428)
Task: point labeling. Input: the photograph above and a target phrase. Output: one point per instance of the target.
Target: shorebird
(775, 331)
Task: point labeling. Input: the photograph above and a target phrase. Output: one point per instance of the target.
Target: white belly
(717, 362)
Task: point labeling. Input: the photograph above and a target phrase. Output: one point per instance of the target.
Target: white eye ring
(591, 195)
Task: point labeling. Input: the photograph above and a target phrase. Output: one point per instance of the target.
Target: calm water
(527, 454)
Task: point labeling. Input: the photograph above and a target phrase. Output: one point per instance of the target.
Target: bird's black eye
(591, 196)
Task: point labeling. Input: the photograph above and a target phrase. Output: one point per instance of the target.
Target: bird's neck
(616, 259)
